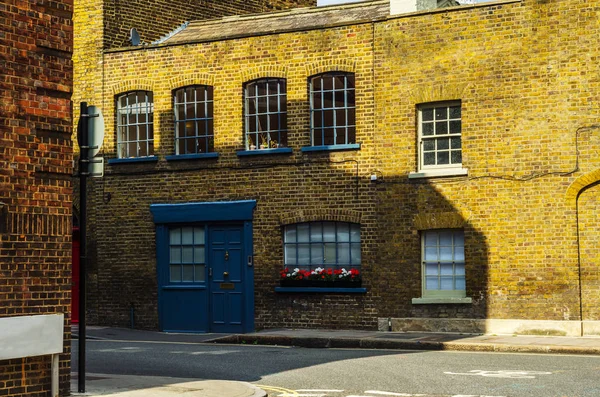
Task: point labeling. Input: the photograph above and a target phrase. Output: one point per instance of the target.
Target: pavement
(138, 386)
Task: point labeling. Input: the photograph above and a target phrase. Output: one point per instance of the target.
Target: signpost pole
(83, 174)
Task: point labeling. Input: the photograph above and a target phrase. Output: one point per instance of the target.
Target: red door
(75, 280)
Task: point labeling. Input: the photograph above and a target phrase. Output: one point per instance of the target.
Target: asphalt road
(287, 371)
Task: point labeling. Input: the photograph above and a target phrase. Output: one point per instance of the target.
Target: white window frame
(135, 124)
(458, 265)
(450, 169)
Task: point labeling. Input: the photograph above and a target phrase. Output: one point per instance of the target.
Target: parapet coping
(295, 12)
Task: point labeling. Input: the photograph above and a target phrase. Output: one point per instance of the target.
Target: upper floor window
(135, 124)
(440, 129)
(193, 108)
(443, 261)
(322, 244)
(265, 114)
(332, 109)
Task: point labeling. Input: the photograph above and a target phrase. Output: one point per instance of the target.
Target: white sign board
(29, 336)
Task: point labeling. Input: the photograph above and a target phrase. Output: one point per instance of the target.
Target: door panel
(227, 283)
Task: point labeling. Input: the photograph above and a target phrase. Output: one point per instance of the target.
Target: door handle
(225, 274)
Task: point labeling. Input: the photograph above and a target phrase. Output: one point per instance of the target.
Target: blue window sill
(319, 289)
(331, 148)
(260, 152)
(148, 159)
(179, 157)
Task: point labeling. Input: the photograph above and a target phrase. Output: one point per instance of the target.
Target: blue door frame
(218, 304)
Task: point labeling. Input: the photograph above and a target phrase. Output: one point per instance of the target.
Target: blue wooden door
(226, 273)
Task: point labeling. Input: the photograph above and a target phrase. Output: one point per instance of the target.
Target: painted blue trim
(203, 212)
(162, 254)
(330, 148)
(319, 289)
(184, 286)
(148, 159)
(179, 157)
(249, 278)
(260, 152)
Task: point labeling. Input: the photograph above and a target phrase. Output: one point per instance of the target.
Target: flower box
(321, 278)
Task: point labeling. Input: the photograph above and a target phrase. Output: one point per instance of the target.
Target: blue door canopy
(217, 211)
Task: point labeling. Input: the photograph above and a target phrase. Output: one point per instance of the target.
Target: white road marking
(320, 390)
(510, 374)
(388, 393)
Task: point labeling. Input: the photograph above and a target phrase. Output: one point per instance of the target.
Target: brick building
(449, 154)
(36, 42)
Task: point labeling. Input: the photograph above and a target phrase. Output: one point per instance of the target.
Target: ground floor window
(443, 263)
(187, 262)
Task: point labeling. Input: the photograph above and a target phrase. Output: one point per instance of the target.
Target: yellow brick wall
(529, 97)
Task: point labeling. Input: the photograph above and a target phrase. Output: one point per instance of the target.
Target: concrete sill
(331, 148)
(148, 159)
(438, 173)
(262, 152)
(441, 301)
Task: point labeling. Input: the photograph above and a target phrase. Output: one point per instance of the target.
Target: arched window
(193, 107)
(135, 124)
(322, 244)
(332, 109)
(265, 114)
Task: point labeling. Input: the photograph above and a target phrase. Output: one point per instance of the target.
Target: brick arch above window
(188, 80)
(425, 93)
(439, 220)
(132, 85)
(338, 215)
(339, 65)
(264, 71)
(581, 184)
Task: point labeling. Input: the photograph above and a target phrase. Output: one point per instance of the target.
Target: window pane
(446, 269)
(303, 254)
(459, 254)
(316, 232)
(443, 144)
(427, 115)
(447, 283)
(443, 158)
(343, 254)
(199, 255)
(431, 238)
(429, 145)
(198, 235)
(328, 231)
(290, 234)
(431, 269)
(188, 273)
(455, 143)
(429, 158)
(431, 283)
(187, 254)
(459, 269)
(459, 238)
(445, 253)
(199, 272)
(187, 235)
(460, 283)
(441, 128)
(303, 233)
(455, 112)
(355, 253)
(355, 233)
(431, 254)
(343, 232)
(329, 255)
(290, 254)
(455, 127)
(456, 157)
(441, 113)
(427, 129)
(175, 273)
(175, 236)
(175, 256)
(316, 254)
(446, 238)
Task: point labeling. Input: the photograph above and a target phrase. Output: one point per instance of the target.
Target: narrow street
(289, 371)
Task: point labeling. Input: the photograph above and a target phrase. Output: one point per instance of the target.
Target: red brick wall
(35, 177)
